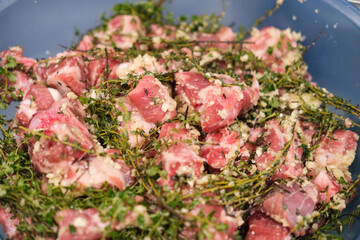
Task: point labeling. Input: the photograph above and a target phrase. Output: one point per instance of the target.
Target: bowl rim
(350, 11)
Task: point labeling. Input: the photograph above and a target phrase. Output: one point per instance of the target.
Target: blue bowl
(334, 62)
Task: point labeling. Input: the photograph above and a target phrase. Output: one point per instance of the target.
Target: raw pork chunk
(291, 205)
(89, 224)
(262, 227)
(218, 105)
(223, 146)
(327, 186)
(133, 125)
(174, 133)
(179, 160)
(276, 47)
(220, 216)
(276, 138)
(97, 70)
(67, 73)
(22, 80)
(153, 100)
(37, 98)
(338, 150)
(95, 171)
(8, 222)
(64, 120)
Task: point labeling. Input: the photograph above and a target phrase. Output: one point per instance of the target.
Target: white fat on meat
(136, 66)
(209, 57)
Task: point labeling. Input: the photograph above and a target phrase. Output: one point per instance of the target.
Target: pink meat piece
(326, 185)
(22, 83)
(308, 129)
(153, 100)
(96, 69)
(122, 41)
(43, 96)
(224, 78)
(67, 73)
(180, 160)
(8, 222)
(50, 156)
(64, 111)
(188, 86)
(171, 65)
(291, 167)
(22, 80)
(285, 206)
(267, 37)
(251, 96)
(338, 150)
(125, 24)
(219, 217)
(87, 224)
(40, 70)
(17, 54)
(308, 135)
(86, 43)
(124, 30)
(206, 39)
(278, 41)
(173, 132)
(135, 123)
(94, 171)
(166, 33)
(163, 32)
(160, 67)
(65, 120)
(219, 106)
(186, 51)
(224, 34)
(224, 146)
(262, 227)
(37, 98)
(254, 135)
